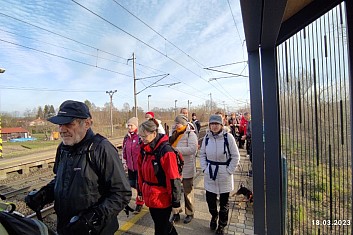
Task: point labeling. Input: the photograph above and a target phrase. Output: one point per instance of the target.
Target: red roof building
(13, 132)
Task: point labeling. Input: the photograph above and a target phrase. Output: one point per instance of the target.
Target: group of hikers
(90, 187)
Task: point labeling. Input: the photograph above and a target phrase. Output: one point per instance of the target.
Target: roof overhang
(267, 23)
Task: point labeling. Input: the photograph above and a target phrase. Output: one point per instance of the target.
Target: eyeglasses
(145, 136)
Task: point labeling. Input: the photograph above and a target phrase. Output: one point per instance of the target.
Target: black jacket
(77, 187)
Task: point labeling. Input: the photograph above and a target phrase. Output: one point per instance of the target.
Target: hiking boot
(213, 223)
(188, 219)
(138, 208)
(175, 218)
(220, 229)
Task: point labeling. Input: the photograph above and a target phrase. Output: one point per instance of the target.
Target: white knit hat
(133, 121)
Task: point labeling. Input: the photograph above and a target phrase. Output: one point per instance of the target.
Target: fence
(315, 121)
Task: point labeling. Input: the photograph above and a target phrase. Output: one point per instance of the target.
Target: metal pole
(175, 108)
(211, 103)
(134, 70)
(1, 71)
(148, 98)
(111, 93)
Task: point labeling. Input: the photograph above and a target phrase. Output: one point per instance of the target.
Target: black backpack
(18, 225)
(162, 149)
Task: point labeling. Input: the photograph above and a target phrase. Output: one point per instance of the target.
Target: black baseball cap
(70, 110)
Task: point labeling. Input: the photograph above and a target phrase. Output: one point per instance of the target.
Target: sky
(80, 49)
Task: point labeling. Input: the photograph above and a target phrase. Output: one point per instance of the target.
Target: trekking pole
(39, 215)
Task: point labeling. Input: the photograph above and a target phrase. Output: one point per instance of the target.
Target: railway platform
(240, 216)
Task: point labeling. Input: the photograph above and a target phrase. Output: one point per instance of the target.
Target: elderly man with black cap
(90, 187)
(219, 157)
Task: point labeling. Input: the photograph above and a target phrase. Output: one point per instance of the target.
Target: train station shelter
(300, 55)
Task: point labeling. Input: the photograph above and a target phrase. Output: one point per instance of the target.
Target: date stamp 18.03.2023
(331, 222)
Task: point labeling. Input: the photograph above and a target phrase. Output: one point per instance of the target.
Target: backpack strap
(226, 144)
(95, 141)
(213, 175)
(157, 168)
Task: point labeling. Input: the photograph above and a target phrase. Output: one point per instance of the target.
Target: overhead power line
(71, 39)
(235, 74)
(168, 85)
(66, 48)
(235, 24)
(114, 25)
(152, 84)
(217, 66)
(152, 76)
(66, 58)
(196, 61)
(146, 44)
(46, 89)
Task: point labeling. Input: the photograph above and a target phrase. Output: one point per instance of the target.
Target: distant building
(37, 122)
(13, 132)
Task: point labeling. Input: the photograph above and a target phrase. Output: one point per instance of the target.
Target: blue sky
(58, 50)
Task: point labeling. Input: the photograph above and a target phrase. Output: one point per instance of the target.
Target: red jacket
(242, 125)
(156, 196)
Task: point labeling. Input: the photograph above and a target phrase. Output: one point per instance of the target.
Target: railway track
(15, 190)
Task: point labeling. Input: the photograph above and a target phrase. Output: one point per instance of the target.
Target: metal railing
(315, 122)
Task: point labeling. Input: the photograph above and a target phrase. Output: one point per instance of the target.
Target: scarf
(176, 136)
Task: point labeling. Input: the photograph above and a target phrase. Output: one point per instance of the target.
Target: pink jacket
(131, 150)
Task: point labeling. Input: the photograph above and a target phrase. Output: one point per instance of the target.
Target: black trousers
(211, 199)
(249, 148)
(160, 217)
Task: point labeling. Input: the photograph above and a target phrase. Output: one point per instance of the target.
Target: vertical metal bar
(257, 140)
(300, 103)
(316, 114)
(346, 173)
(272, 136)
(328, 117)
(349, 34)
(311, 119)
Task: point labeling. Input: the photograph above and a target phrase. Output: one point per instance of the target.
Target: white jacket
(214, 151)
(187, 146)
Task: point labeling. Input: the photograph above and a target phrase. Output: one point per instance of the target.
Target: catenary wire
(63, 57)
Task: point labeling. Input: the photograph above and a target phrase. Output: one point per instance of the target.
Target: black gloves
(36, 199)
(87, 222)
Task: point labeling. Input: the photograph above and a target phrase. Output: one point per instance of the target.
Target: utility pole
(175, 107)
(189, 104)
(211, 102)
(148, 98)
(134, 71)
(224, 107)
(1, 71)
(111, 93)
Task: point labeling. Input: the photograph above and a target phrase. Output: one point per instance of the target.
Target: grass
(19, 148)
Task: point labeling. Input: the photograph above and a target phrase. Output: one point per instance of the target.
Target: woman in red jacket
(158, 177)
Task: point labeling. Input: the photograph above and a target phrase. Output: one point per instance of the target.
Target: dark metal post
(272, 142)
(349, 13)
(257, 140)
